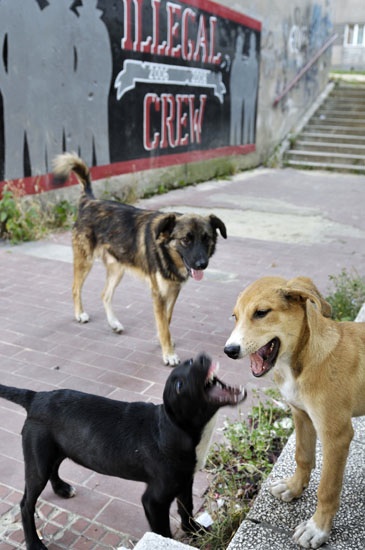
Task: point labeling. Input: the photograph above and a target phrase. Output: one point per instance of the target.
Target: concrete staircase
(334, 137)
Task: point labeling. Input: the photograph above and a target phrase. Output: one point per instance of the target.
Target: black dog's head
(193, 394)
(192, 238)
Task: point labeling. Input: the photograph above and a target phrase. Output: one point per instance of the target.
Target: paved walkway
(280, 222)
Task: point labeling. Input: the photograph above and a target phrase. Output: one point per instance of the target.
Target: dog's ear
(165, 225)
(217, 223)
(303, 289)
(323, 339)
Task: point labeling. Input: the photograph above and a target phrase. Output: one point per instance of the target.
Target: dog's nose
(233, 351)
(201, 263)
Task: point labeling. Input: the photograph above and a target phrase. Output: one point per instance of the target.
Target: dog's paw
(193, 527)
(280, 489)
(83, 317)
(63, 489)
(117, 326)
(309, 535)
(171, 359)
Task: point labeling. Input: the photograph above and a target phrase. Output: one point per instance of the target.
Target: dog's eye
(185, 241)
(178, 386)
(233, 317)
(260, 313)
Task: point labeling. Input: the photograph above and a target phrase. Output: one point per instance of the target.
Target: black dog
(161, 445)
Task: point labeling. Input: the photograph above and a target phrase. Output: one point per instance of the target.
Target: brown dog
(164, 248)
(320, 370)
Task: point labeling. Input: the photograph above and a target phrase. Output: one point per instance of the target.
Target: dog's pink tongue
(257, 363)
(197, 274)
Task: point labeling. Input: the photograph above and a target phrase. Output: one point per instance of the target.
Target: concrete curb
(270, 523)
(151, 541)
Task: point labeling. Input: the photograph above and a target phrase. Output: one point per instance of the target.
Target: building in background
(349, 23)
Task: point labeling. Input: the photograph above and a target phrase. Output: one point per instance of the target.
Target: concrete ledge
(361, 315)
(151, 541)
(270, 523)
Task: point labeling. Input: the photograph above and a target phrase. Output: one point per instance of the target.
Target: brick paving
(279, 222)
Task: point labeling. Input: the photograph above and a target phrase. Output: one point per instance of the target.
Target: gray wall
(292, 32)
(47, 105)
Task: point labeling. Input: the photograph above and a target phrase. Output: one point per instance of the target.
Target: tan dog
(320, 370)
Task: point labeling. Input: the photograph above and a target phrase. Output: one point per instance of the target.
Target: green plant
(240, 464)
(293, 138)
(347, 296)
(26, 220)
(62, 214)
(16, 222)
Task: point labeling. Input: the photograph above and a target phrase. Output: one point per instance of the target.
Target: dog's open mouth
(219, 392)
(265, 358)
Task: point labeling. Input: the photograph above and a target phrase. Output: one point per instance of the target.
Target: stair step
(345, 102)
(323, 146)
(319, 127)
(334, 138)
(347, 109)
(356, 100)
(325, 166)
(331, 138)
(348, 91)
(335, 121)
(318, 156)
(340, 113)
(355, 96)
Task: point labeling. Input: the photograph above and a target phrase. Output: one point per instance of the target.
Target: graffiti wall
(148, 82)
(289, 41)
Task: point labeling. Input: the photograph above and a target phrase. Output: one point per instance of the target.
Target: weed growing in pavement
(27, 220)
(240, 464)
(347, 296)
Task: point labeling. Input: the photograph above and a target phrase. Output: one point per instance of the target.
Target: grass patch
(239, 466)
(30, 219)
(347, 295)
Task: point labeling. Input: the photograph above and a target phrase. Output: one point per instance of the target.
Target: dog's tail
(66, 163)
(17, 395)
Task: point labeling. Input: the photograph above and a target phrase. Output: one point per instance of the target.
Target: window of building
(354, 35)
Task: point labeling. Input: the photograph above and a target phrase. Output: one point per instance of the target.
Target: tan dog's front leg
(164, 298)
(305, 453)
(335, 442)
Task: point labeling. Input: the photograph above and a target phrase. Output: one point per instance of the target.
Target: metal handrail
(304, 69)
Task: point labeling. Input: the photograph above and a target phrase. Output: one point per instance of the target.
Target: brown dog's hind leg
(114, 274)
(83, 261)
